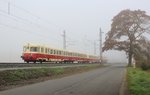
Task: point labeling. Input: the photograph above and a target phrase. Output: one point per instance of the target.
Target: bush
(145, 66)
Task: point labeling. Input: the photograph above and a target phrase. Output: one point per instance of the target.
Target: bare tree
(127, 29)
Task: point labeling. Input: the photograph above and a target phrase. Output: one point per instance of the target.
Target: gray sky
(80, 18)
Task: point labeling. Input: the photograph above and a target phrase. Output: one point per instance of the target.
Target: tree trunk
(130, 55)
(130, 59)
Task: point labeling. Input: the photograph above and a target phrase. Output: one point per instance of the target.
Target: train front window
(34, 49)
(25, 48)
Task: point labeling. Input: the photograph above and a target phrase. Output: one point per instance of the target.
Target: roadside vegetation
(28, 76)
(138, 82)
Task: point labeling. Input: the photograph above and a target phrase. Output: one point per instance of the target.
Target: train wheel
(27, 61)
(34, 61)
(40, 61)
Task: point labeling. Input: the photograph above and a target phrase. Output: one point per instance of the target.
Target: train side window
(64, 53)
(67, 53)
(57, 52)
(51, 51)
(54, 52)
(42, 50)
(61, 52)
(46, 50)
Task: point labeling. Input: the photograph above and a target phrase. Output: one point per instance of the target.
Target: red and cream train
(39, 53)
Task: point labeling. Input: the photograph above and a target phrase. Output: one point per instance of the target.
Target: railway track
(14, 65)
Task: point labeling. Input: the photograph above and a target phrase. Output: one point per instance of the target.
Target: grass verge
(138, 82)
(13, 78)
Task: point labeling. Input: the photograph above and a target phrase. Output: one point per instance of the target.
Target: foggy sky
(43, 22)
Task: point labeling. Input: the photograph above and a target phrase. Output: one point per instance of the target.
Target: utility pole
(94, 47)
(100, 45)
(9, 7)
(64, 39)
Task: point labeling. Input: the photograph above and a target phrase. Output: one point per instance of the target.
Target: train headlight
(22, 57)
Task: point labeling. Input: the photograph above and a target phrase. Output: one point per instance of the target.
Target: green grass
(138, 82)
(11, 77)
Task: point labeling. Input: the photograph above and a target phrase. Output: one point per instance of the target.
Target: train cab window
(34, 49)
(25, 48)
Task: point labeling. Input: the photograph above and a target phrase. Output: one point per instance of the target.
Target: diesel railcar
(40, 53)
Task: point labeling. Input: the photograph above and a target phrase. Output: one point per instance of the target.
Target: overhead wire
(23, 30)
(17, 18)
(25, 21)
(36, 16)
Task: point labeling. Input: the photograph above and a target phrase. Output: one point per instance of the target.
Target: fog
(43, 22)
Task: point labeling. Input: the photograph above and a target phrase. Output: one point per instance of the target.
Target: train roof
(43, 45)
